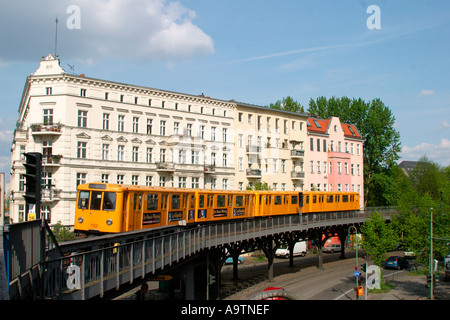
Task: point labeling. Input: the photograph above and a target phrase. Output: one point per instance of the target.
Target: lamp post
(431, 253)
(356, 263)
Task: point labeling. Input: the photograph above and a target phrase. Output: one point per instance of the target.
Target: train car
(269, 203)
(328, 201)
(109, 208)
(217, 205)
(113, 208)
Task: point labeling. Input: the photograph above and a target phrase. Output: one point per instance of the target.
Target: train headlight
(109, 222)
(80, 220)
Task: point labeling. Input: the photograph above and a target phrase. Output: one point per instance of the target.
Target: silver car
(332, 248)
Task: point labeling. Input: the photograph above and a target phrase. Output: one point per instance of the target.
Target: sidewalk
(412, 287)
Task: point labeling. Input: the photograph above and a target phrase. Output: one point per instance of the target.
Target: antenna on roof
(56, 35)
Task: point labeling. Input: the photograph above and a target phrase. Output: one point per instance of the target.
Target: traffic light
(33, 177)
(364, 267)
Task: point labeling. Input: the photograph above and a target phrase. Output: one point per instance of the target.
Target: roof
(321, 126)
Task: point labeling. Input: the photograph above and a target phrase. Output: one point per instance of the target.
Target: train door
(134, 211)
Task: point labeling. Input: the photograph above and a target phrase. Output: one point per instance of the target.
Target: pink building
(335, 157)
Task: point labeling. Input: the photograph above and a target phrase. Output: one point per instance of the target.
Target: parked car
(229, 260)
(332, 248)
(299, 250)
(396, 262)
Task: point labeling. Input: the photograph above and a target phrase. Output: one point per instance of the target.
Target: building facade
(95, 130)
(92, 130)
(269, 147)
(335, 157)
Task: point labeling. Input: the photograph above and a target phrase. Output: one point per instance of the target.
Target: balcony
(253, 149)
(165, 166)
(39, 129)
(297, 175)
(51, 160)
(208, 169)
(254, 173)
(297, 153)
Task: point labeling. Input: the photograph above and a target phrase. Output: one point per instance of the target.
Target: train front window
(109, 201)
(96, 200)
(83, 199)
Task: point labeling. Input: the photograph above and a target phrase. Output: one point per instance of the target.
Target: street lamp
(356, 264)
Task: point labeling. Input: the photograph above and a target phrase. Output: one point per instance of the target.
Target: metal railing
(121, 259)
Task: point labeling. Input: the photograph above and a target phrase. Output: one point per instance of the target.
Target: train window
(192, 202)
(109, 201)
(96, 200)
(137, 201)
(345, 198)
(239, 201)
(175, 201)
(314, 199)
(294, 200)
(220, 201)
(83, 199)
(307, 199)
(152, 202)
(277, 200)
(201, 201)
(330, 199)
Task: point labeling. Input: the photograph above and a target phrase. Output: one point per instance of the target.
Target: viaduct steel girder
(94, 267)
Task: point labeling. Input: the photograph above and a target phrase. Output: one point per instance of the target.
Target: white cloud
(439, 153)
(444, 125)
(144, 30)
(426, 93)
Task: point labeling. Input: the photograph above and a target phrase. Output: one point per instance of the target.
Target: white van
(299, 250)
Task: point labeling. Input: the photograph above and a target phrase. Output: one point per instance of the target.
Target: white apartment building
(92, 130)
(95, 130)
(269, 147)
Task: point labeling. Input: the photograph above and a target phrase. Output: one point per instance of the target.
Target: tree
(378, 237)
(375, 122)
(428, 192)
(287, 104)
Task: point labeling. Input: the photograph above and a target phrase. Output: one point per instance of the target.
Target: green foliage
(378, 237)
(428, 192)
(261, 186)
(287, 104)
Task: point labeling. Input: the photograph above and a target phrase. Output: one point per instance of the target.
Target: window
(189, 129)
(48, 117)
(162, 128)
(48, 91)
(213, 133)
(120, 178)
(135, 124)
(224, 134)
(83, 92)
(148, 181)
(106, 121)
(181, 182)
(120, 152)
(81, 150)
(149, 155)
(105, 178)
(176, 127)
(135, 154)
(135, 181)
(311, 143)
(195, 183)
(149, 126)
(105, 151)
(121, 123)
(81, 178)
(82, 119)
(152, 202)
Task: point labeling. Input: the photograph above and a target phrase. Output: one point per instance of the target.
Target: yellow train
(113, 208)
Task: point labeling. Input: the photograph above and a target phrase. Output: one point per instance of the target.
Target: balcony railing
(297, 175)
(253, 173)
(297, 153)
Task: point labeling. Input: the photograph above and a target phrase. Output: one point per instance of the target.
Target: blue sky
(250, 51)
